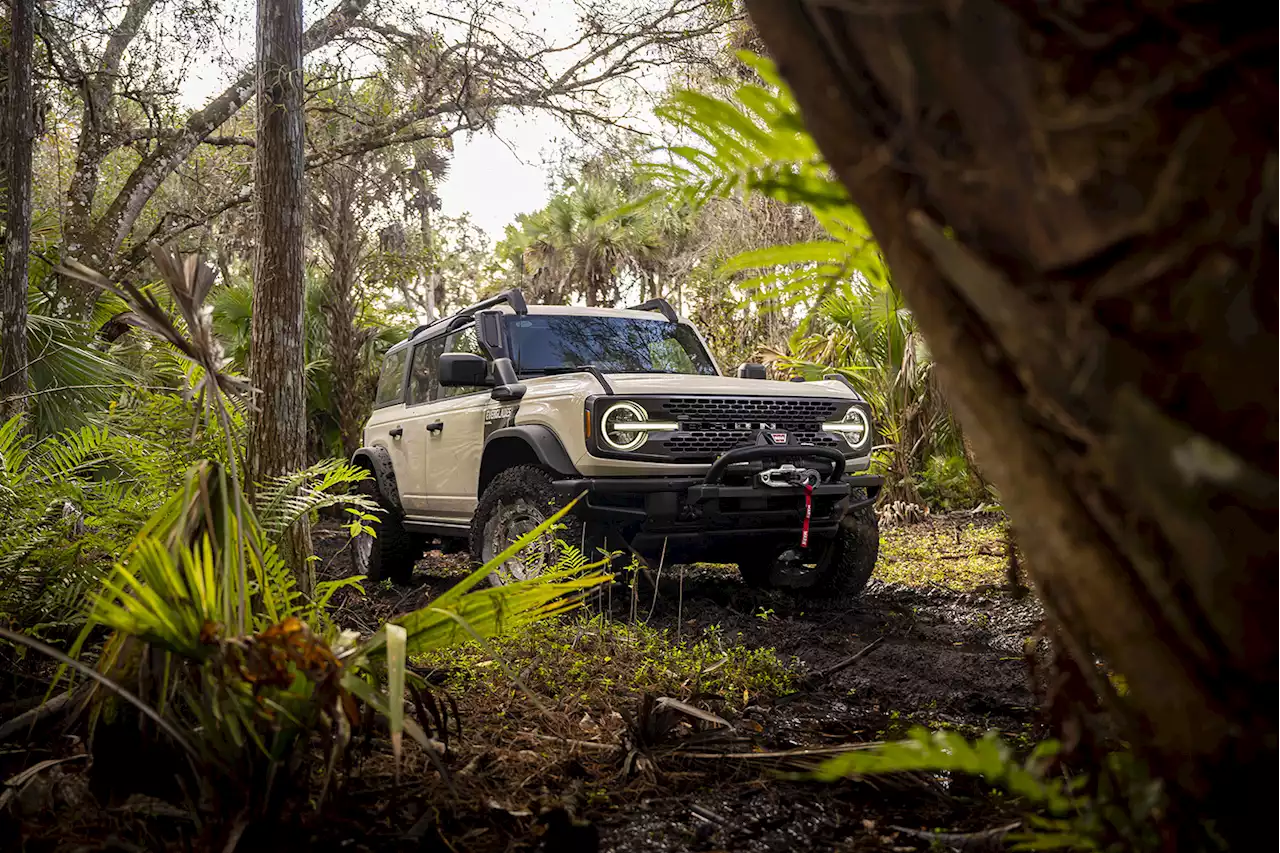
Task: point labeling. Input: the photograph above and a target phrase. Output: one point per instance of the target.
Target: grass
(959, 557)
(594, 662)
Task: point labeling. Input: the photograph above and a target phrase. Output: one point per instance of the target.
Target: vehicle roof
(582, 310)
(535, 310)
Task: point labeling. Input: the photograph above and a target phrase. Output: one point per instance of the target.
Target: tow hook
(788, 475)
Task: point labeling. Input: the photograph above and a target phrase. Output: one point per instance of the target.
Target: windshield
(558, 343)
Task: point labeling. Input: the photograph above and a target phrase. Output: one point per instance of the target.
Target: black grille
(710, 426)
(729, 410)
(706, 444)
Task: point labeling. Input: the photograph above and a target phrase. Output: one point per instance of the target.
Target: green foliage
(248, 668)
(1116, 811)
(941, 555)
(170, 423)
(947, 483)
(231, 309)
(285, 500)
(70, 501)
(755, 142)
(596, 239)
(988, 757)
(72, 374)
(595, 657)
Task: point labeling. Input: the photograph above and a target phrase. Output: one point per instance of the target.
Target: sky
(493, 175)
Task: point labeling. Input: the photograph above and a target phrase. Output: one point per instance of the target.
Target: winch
(787, 475)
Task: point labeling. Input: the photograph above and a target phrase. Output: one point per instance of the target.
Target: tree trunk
(341, 233)
(19, 134)
(277, 440)
(1103, 310)
(430, 263)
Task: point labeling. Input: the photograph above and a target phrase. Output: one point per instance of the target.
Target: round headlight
(614, 422)
(855, 427)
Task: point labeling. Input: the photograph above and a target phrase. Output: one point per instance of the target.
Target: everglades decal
(499, 417)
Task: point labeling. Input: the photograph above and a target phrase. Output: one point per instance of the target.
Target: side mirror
(751, 371)
(507, 388)
(463, 370)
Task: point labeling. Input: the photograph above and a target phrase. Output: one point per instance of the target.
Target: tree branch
(124, 211)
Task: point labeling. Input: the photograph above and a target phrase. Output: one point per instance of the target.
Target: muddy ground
(593, 772)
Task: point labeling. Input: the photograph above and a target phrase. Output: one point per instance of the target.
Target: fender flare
(378, 460)
(544, 443)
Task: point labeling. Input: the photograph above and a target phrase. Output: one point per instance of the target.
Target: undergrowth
(942, 555)
(1116, 808)
(595, 660)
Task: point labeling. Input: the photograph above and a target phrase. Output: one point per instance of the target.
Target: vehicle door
(384, 427)
(415, 440)
(457, 438)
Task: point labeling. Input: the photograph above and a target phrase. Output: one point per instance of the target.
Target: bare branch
(124, 211)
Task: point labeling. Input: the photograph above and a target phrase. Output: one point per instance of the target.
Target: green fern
(755, 142)
(988, 757)
(1113, 812)
(285, 500)
(70, 502)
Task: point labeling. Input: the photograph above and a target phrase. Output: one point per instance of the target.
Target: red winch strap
(808, 511)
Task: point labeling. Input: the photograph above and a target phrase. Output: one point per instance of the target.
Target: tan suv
(486, 422)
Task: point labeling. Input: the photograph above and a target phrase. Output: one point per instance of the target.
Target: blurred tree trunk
(1079, 203)
(15, 145)
(277, 440)
(431, 263)
(335, 219)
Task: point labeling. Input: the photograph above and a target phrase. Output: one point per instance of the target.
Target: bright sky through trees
(493, 175)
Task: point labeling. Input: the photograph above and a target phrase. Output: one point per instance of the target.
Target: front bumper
(728, 502)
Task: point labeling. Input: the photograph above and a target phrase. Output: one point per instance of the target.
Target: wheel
(839, 568)
(391, 554)
(515, 502)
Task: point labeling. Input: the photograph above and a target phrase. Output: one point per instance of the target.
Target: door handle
(437, 426)
(397, 432)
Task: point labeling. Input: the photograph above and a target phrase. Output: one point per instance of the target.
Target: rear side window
(391, 380)
(425, 370)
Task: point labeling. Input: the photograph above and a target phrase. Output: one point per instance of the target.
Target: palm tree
(595, 242)
(866, 333)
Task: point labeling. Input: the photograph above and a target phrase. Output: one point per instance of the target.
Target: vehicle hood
(661, 383)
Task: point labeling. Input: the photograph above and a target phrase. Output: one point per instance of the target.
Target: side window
(424, 371)
(463, 340)
(391, 380)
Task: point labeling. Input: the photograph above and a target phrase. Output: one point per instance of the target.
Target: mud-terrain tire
(391, 554)
(514, 502)
(842, 571)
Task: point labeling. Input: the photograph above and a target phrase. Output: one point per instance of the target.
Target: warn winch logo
(778, 437)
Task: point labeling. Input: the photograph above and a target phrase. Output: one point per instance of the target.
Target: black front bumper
(728, 502)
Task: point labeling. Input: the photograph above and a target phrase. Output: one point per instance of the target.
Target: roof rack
(512, 297)
(658, 304)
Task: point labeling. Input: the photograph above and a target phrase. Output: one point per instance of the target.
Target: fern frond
(282, 501)
(988, 757)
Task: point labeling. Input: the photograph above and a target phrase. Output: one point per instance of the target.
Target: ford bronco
(488, 421)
